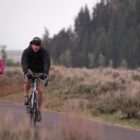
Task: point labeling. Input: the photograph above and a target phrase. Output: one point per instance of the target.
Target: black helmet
(36, 41)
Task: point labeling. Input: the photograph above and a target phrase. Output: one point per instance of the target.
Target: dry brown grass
(11, 81)
(105, 90)
(71, 128)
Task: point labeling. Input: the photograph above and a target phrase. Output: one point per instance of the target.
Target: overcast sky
(21, 20)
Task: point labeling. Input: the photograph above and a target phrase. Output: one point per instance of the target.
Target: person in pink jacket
(1, 66)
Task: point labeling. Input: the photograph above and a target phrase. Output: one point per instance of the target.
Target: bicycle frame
(32, 108)
(33, 102)
(34, 95)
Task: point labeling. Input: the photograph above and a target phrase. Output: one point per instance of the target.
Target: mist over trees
(109, 35)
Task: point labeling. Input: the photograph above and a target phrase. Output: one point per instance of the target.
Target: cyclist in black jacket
(37, 59)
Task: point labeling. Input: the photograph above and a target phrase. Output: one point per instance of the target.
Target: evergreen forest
(109, 35)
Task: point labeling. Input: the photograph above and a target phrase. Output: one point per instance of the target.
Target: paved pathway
(62, 124)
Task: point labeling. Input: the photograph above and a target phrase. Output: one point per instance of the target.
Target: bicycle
(32, 107)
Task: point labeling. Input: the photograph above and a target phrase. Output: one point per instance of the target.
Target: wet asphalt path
(54, 121)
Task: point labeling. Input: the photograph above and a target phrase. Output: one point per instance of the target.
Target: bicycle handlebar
(34, 75)
(38, 76)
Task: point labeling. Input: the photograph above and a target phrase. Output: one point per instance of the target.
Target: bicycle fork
(34, 100)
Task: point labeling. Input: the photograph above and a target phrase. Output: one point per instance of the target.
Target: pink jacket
(1, 66)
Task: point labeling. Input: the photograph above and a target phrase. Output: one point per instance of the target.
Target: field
(105, 93)
(15, 55)
(11, 81)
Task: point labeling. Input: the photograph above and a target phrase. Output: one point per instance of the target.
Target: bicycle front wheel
(34, 114)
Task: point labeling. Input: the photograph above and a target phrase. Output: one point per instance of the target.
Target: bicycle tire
(34, 117)
(34, 111)
(32, 108)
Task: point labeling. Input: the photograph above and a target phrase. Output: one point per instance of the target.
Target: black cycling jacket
(38, 62)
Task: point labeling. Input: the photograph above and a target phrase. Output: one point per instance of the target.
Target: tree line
(106, 36)
(4, 56)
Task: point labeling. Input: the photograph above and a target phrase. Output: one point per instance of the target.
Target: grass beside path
(106, 94)
(108, 118)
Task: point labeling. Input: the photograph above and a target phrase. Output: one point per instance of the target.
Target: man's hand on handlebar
(28, 75)
(46, 82)
(44, 76)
